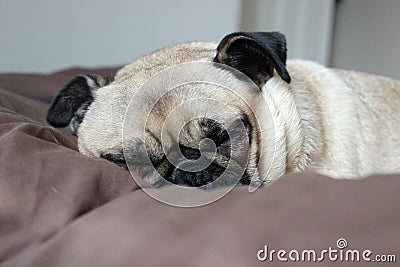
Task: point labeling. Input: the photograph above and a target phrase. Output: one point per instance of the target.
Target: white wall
(367, 36)
(307, 24)
(45, 35)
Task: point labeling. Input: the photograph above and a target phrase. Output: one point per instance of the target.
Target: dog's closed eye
(118, 159)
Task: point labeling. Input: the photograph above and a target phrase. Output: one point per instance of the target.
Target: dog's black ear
(256, 54)
(71, 103)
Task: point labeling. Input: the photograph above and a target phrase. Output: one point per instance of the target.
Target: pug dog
(343, 124)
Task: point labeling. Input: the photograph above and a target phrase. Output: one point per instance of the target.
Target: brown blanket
(61, 208)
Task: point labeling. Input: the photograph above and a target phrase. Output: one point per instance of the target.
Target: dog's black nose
(190, 153)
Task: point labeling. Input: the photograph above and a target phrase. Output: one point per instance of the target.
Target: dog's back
(377, 102)
(360, 120)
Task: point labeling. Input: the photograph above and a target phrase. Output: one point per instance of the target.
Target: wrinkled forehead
(180, 98)
(194, 89)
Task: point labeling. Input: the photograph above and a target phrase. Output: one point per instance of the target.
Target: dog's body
(339, 123)
(351, 121)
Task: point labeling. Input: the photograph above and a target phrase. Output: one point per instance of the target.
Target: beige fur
(339, 123)
(346, 123)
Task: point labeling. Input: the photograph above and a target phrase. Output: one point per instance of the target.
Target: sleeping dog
(339, 123)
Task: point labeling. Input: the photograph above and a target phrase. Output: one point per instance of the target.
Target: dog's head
(95, 107)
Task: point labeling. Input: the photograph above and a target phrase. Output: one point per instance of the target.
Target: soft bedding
(61, 208)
